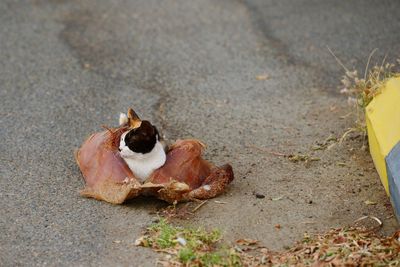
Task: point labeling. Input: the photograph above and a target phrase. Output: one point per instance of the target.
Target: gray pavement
(68, 67)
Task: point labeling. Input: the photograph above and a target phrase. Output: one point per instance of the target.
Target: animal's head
(140, 138)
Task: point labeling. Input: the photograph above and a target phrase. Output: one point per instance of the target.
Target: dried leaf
(262, 77)
(369, 202)
(247, 242)
(142, 241)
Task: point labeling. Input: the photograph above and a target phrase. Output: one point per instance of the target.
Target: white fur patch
(142, 165)
(123, 119)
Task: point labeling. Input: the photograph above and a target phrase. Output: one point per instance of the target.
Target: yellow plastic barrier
(383, 125)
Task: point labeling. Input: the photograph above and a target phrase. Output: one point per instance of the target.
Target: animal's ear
(133, 119)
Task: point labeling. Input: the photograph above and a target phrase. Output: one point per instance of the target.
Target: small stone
(181, 241)
(258, 195)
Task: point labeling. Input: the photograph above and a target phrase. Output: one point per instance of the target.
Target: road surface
(191, 67)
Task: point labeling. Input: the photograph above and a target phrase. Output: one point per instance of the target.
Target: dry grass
(350, 246)
(337, 247)
(361, 89)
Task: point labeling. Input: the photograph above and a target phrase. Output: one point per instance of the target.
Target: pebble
(258, 195)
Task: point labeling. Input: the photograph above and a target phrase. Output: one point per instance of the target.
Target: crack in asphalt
(96, 56)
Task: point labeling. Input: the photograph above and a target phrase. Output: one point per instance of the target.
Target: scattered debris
(141, 241)
(247, 242)
(199, 206)
(345, 116)
(220, 202)
(338, 247)
(277, 198)
(389, 217)
(304, 158)
(292, 157)
(309, 222)
(364, 219)
(349, 246)
(369, 202)
(356, 129)
(278, 226)
(262, 77)
(327, 144)
(182, 212)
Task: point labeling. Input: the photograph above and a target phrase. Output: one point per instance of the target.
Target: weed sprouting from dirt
(188, 246)
(362, 89)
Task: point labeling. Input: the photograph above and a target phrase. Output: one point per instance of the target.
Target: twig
(337, 59)
(345, 134)
(383, 62)
(373, 218)
(345, 116)
(199, 206)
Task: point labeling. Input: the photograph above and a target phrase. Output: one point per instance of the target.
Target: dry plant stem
(199, 206)
(369, 60)
(361, 91)
(346, 133)
(337, 59)
(373, 229)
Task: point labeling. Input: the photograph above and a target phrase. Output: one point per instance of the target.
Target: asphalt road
(68, 67)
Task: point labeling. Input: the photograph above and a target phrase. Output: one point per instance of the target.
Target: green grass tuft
(186, 255)
(191, 246)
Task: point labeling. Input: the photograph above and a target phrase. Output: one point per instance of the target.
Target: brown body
(181, 178)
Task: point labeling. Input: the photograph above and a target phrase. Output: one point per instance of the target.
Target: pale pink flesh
(100, 162)
(184, 164)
